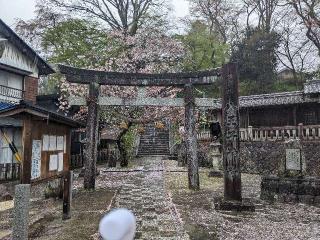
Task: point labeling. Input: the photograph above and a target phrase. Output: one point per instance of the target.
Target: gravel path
(143, 193)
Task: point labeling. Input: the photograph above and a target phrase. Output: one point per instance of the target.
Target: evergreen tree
(256, 56)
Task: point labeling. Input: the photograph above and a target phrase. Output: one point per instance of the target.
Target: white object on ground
(119, 224)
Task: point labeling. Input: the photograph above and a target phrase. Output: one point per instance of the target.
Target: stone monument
(21, 212)
(295, 164)
(291, 184)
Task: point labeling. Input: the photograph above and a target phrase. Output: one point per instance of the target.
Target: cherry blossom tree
(148, 51)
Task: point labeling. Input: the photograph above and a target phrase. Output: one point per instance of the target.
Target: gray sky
(12, 9)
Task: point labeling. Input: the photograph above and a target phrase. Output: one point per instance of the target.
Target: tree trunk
(121, 146)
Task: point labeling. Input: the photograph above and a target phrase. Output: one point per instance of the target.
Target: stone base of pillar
(214, 173)
(238, 206)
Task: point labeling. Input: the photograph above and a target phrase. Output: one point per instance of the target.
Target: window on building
(15, 135)
(11, 86)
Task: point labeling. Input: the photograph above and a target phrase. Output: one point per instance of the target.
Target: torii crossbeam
(84, 76)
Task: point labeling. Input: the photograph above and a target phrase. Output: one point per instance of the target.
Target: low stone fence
(267, 157)
(304, 190)
(263, 150)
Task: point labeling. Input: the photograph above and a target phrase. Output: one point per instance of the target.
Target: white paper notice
(60, 164)
(45, 143)
(36, 159)
(53, 163)
(60, 143)
(53, 143)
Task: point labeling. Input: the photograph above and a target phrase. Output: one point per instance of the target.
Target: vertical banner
(36, 159)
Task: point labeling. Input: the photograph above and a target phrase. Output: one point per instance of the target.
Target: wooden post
(92, 137)
(300, 131)
(231, 141)
(191, 138)
(27, 150)
(294, 113)
(67, 195)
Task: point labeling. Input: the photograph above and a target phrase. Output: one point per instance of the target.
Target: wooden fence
(10, 172)
(77, 161)
(309, 132)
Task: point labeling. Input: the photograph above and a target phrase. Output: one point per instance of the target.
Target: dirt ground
(275, 221)
(156, 191)
(46, 217)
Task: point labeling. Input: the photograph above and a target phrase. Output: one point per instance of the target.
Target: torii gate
(231, 160)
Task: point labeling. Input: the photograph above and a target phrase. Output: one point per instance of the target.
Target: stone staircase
(154, 142)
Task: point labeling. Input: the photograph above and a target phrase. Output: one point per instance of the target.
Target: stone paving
(143, 192)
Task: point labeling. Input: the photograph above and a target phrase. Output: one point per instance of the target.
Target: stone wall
(266, 157)
(304, 190)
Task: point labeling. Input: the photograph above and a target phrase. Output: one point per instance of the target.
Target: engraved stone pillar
(191, 139)
(92, 137)
(231, 141)
(21, 212)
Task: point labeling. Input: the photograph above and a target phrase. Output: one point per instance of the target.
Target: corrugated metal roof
(5, 105)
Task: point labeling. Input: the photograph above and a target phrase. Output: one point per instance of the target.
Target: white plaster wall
(12, 57)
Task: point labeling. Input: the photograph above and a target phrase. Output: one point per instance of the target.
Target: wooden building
(20, 69)
(278, 109)
(46, 142)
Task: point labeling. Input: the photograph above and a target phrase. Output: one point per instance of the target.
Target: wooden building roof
(15, 110)
(278, 99)
(312, 87)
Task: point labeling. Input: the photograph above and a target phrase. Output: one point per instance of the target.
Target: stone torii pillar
(191, 139)
(92, 132)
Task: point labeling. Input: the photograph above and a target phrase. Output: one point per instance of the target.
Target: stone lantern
(216, 157)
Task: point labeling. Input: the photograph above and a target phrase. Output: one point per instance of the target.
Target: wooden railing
(308, 132)
(9, 172)
(11, 94)
(204, 135)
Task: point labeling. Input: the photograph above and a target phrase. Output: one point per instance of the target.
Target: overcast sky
(13, 9)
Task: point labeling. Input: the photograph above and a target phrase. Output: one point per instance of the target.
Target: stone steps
(154, 142)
